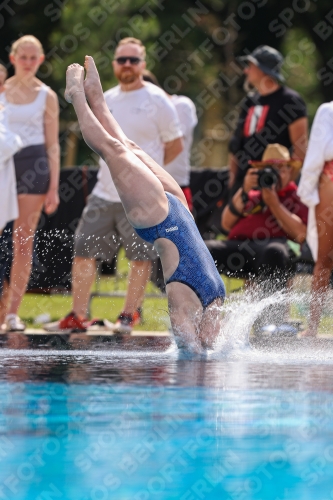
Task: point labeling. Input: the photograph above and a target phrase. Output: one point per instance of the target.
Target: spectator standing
(272, 113)
(32, 111)
(180, 167)
(316, 191)
(260, 223)
(148, 118)
(9, 145)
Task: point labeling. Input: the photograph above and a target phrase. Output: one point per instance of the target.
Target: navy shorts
(32, 170)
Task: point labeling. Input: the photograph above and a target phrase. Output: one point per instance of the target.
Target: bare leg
(4, 299)
(83, 277)
(185, 311)
(210, 324)
(94, 94)
(324, 264)
(137, 281)
(30, 207)
(141, 193)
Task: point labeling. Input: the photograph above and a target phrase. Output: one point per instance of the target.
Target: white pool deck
(100, 332)
(90, 333)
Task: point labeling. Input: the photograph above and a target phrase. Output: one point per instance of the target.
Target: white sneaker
(108, 325)
(13, 323)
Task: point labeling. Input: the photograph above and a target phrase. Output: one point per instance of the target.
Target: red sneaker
(126, 321)
(69, 324)
(137, 317)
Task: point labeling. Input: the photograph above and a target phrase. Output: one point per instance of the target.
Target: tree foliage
(26, 17)
(191, 45)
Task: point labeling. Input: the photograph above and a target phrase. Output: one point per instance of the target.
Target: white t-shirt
(320, 150)
(148, 118)
(180, 167)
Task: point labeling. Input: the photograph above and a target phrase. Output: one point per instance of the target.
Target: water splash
(240, 314)
(235, 341)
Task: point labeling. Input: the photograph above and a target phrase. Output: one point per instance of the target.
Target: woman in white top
(316, 191)
(32, 110)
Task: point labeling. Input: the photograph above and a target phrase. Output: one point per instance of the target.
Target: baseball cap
(267, 59)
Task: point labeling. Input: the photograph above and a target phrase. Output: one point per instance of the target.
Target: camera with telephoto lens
(268, 177)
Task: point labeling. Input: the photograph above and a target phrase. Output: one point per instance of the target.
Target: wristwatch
(234, 210)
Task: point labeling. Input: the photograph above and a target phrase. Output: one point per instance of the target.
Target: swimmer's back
(196, 267)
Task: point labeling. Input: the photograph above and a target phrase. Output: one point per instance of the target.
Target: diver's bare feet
(74, 81)
(92, 83)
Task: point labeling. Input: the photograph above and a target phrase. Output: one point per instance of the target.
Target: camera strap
(256, 209)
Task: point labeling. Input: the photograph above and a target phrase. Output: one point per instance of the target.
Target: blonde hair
(136, 41)
(26, 39)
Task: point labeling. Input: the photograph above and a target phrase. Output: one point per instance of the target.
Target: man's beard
(127, 77)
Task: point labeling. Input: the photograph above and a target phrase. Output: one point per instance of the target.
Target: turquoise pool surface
(143, 426)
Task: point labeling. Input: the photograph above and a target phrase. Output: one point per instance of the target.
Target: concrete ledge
(95, 332)
(140, 341)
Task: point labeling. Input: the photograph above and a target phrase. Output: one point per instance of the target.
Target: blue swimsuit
(196, 267)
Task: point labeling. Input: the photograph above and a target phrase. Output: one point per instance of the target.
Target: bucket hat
(275, 154)
(268, 59)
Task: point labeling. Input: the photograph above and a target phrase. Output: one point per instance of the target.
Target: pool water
(126, 424)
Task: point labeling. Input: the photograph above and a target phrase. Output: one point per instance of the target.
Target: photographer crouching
(261, 217)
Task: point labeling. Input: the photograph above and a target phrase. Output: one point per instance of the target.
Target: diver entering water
(157, 209)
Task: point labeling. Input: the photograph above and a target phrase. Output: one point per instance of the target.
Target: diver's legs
(210, 324)
(140, 191)
(95, 96)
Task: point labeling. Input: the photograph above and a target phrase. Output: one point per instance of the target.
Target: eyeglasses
(132, 60)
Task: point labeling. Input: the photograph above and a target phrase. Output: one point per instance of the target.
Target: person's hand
(270, 197)
(51, 201)
(250, 180)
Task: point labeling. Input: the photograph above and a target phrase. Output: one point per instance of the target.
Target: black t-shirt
(264, 120)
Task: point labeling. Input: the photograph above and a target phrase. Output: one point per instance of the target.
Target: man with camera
(260, 219)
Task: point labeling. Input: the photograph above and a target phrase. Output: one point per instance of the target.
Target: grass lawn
(155, 310)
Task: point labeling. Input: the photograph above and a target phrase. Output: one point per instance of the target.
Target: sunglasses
(132, 60)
